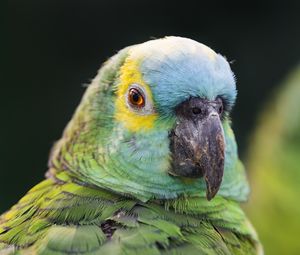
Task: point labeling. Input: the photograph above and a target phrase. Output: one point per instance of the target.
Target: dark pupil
(135, 97)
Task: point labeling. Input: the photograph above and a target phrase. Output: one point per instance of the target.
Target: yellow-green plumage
(62, 217)
(108, 190)
(275, 171)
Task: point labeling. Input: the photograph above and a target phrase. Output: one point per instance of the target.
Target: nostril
(221, 109)
(196, 110)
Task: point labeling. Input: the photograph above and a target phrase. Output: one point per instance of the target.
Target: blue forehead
(178, 68)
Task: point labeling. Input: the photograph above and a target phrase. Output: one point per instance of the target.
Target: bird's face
(185, 90)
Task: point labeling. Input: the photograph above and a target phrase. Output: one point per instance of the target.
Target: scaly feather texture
(108, 189)
(60, 216)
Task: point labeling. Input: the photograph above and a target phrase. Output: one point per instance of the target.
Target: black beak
(197, 143)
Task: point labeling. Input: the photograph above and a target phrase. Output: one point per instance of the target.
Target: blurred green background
(273, 162)
(51, 48)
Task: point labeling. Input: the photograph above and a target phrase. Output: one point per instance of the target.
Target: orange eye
(136, 98)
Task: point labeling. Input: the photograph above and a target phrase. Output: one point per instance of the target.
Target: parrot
(148, 164)
(274, 170)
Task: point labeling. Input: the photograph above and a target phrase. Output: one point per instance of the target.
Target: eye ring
(136, 98)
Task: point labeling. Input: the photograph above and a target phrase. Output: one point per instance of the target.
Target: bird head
(154, 123)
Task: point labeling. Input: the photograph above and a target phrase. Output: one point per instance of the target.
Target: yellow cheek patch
(132, 120)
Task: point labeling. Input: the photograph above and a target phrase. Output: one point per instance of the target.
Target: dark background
(50, 48)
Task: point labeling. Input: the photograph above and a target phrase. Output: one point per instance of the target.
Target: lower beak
(198, 150)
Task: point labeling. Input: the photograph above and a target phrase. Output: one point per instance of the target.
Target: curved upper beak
(198, 144)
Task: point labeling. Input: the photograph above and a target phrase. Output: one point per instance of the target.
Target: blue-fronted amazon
(147, 165)
(274, 164)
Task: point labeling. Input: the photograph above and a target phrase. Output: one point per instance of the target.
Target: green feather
(75, 218)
